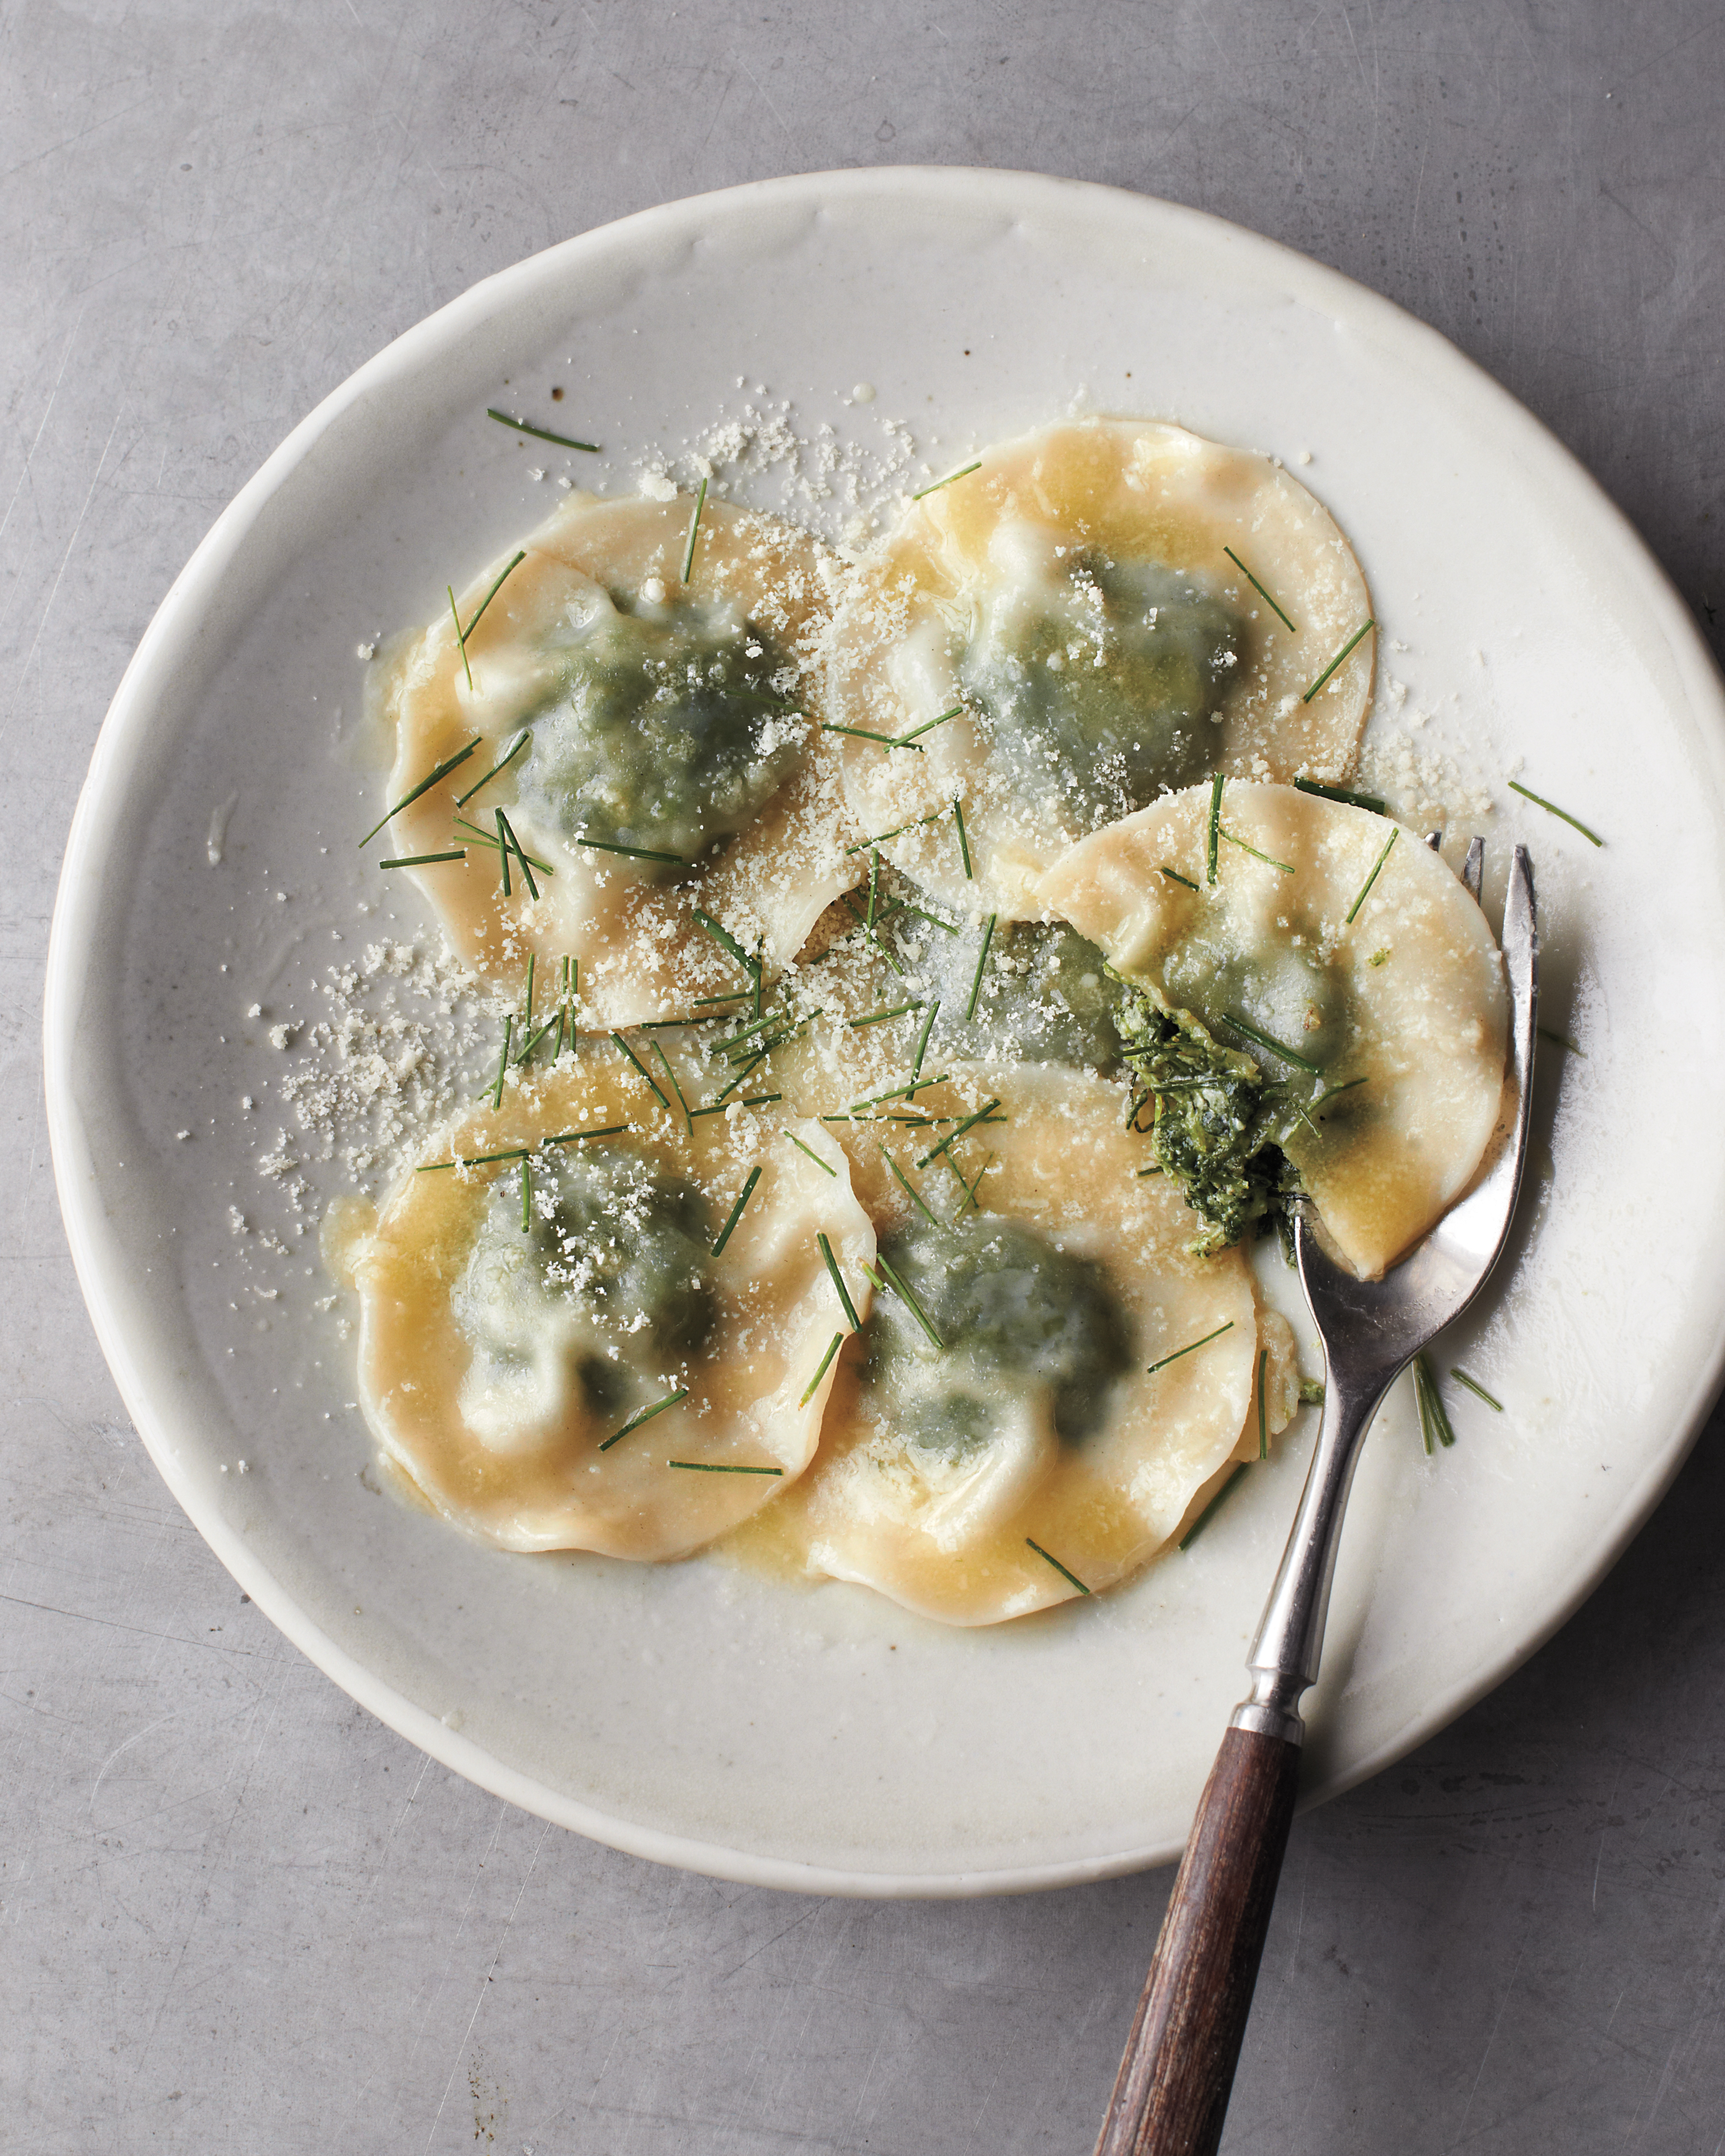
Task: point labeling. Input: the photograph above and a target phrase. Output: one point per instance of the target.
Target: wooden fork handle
(1171, 2096)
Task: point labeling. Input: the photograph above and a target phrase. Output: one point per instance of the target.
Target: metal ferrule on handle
(1285, 1655)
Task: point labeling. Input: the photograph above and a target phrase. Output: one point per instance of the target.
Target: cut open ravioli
(499, 1363)
(1035, 1447)
(656, 745)
(1348, 997)
(1076, 626)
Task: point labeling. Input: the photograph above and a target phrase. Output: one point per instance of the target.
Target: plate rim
(124, 731)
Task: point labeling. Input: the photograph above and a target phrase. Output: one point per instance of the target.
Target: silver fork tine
(1171, 2093)
(1473, 869)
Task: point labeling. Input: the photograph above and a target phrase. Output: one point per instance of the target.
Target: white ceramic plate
(817, 1738)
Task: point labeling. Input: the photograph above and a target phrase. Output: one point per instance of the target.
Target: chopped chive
(900, 1289)
(646, 1415)
(503, 853)
(1209, 851)
(419, 860)
(1365, 888)
(935, 485)
(1552, 808)
(1174, 875)
(1275, 1047)
(1434, 1420)
(898, 1093)
(694, 531)
(825, 1167)
(833, 1347)
(1149, 1093)
(1556, 1040)
(714, 1467)
(642, 1069)
(1209, 1510)
(832, 1265)
(743, 1197)
(526, 1194)
(982, 1116)
(489, 839)
(1363, 630)
(1190, 1348)
(879, 1017)
(425, 785)
(1324, 1098)
(726, 942)
(730, 996)
(503, 1061)
(688, 1120)
(760, 972)
(1259, 588)
(532, 968)
(874, 1278)
(1072, 1578)
(566, 1001)
(521, 426)
(460, 640)
(534, 1039)
(976, 986)
(910, 1190)
(472, 1160)
(746, 1047)
(874, 886)
(504, 825)
(751, 1101)
(573, 1137)
(1263, 1426)
(1473, 1385)
(491, 594)
(633, 853)
(508, 757)
(963, 842)
(862, 733)
(897, 831)
(1341, 793)
(868, 929)
(1269, 858)
(927, 727)
(922, 1040)
(971, 1188)
(934, 921)
(742, 1077)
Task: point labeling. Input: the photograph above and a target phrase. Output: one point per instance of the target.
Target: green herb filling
(1016, 1316)
(608, 1285)
(1099, 690)
(668, 730)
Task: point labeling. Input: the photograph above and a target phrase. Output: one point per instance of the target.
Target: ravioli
(540, 1385)
(1340, 956)
(1097, 613)
(1091, 1375)
(659, 749)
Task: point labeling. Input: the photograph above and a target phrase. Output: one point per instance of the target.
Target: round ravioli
(642, 749)
(572, 1337)
(1094, 614)
(1048, 1376)
(1323, 987)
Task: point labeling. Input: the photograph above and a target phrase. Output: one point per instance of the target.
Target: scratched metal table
(237, 1913)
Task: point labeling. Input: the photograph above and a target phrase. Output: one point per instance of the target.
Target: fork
(1171, 2096)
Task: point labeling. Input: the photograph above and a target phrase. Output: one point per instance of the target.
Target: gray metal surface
(237, 1914)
